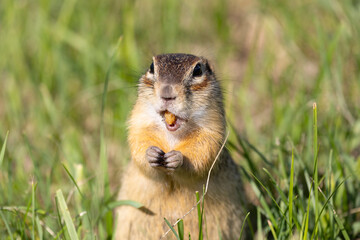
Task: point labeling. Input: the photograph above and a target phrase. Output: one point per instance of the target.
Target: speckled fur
(172, 194)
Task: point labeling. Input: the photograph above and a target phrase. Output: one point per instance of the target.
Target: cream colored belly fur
(222, 208)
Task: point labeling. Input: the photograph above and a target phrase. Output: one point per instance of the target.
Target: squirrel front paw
(167, 162)
(173, 160)
(155, 156)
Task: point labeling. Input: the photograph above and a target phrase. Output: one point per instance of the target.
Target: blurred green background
(273, 58)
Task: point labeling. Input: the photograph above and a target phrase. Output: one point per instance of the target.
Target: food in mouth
(170, 118)
(172, 122)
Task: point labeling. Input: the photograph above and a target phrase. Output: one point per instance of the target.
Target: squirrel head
(185, 86)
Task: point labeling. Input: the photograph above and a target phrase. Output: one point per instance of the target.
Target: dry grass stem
(206, 188)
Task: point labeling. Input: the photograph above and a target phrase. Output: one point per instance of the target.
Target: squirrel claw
(155, 156)
(173, 160)
(168, 162)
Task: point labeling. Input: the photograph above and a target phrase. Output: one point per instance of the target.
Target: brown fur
(148, 82)
(171, 194)
(202, 85)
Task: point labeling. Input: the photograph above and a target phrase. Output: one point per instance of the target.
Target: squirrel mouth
(173, 127)
(172, 122)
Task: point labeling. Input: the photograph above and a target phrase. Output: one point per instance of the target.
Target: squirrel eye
(152, 68)
(197, 70)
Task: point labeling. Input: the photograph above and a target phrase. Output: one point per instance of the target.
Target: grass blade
(316, 183)
(342, 228)
(291, 191)
(33, 187)
(181, 229)
(276, 185)
(103, 182)
(124, 202)
(172, 229)
(2, 153)
(272, 229)
(6, 225)
(27, 210)
(257, 151)
(260, 231)
(64, 211)
(115, 204)
(59, 220)
(39, 228)
(331, 214)
(324, 206)
(242, 227)
(72, 179)
(104, 178)
(245, 152)
(270, 215)
(306, 227)
(200, 213)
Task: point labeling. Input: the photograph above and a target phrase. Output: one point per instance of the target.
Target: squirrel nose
(167, 93)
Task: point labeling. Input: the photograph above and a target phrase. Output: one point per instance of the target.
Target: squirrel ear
(209, 67)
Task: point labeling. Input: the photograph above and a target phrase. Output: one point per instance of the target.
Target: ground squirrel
(176, 129)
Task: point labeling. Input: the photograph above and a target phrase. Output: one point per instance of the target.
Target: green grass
(60, 132)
